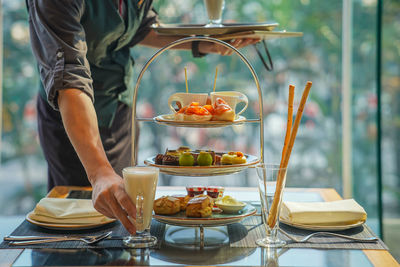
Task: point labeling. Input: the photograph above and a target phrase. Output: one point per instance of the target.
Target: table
(169, 255)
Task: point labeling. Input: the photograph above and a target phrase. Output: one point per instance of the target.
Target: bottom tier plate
(181, 219)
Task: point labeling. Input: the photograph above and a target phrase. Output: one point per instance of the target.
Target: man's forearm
(80, 122)
(156, 40)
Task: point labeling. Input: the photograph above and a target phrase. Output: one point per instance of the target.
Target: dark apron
(64, 166)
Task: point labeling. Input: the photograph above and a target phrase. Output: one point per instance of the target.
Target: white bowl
(230, 208)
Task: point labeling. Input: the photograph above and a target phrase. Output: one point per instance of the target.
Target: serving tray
(200, 29)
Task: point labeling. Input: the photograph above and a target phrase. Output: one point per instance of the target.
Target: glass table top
(180, 248)
(170, 256)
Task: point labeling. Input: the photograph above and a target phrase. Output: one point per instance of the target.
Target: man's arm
(157, 40)
(80, 121)
(59, 45)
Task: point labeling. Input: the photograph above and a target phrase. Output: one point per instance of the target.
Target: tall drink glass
(140, 184)
(214, 12)
(267, 181)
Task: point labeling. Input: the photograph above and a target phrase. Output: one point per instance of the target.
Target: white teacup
(184, 99)
(232, 98)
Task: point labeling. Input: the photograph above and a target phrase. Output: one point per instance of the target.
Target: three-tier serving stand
(197, 170)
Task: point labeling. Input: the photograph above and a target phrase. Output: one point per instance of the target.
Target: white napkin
(67, 211)
(342, 212)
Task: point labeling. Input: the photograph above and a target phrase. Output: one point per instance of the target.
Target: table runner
(241, 235)
(254, 230)
(118, 231)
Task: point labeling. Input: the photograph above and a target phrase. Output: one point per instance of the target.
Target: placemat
(255, 230)
(118, 232)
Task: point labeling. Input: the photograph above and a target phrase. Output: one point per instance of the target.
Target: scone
(183, 200)
(199, 206)
(166, 205)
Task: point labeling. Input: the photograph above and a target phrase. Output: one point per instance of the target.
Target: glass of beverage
(214, 12)
(140, 184)
(267, 185)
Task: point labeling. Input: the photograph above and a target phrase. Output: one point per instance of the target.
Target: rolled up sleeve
(59, 45)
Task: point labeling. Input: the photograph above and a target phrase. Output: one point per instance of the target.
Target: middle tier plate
(212, 170)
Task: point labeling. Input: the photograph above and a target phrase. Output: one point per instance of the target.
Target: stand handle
(187, 40)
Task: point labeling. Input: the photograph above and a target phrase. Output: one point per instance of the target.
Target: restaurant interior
(347, 144)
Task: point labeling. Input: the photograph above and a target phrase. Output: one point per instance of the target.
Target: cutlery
(306, 238)
(34, 240)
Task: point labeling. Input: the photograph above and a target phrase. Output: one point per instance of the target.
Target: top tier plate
(200, 29)
(169, 119)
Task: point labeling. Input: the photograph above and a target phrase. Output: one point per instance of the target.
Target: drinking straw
(272, 217)
(187, 88)
(215, 79)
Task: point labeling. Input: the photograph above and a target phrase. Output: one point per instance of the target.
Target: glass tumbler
(140, 184)
(267, 185)
(214, 12)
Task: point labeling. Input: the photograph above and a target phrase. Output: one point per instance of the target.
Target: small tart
(233, 158)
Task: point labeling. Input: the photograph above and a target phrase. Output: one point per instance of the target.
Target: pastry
(233, 158)
(166, 205)
(170, 160)
(222, 111)
(200, 206)
(183, 200)
(193, 112)
(175, 153)
(159, 159)
(182, 149)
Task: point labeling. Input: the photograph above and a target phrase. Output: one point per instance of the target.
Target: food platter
(67, 226)
(216, 219)
(169, 119)
(212, 170)
(322, 227)
(200, 29)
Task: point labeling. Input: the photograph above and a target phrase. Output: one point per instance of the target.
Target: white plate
(169, 119)
(212, 170)
(321, 227)
(216, 219)
(199, 29)
(66, 226)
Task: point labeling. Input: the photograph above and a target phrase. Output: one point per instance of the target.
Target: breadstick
(289, 123)
(272, 217)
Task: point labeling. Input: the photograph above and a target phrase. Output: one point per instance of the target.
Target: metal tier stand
(158, 53)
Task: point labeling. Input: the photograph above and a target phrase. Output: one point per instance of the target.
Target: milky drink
(214, 10)
(140, 185)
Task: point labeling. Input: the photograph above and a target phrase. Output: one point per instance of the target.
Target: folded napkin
(342, 212)
(67, 211)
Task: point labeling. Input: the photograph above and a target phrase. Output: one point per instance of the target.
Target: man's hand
(208, 47)
(110, 199)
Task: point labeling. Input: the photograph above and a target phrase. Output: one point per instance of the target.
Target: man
(82, 49)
